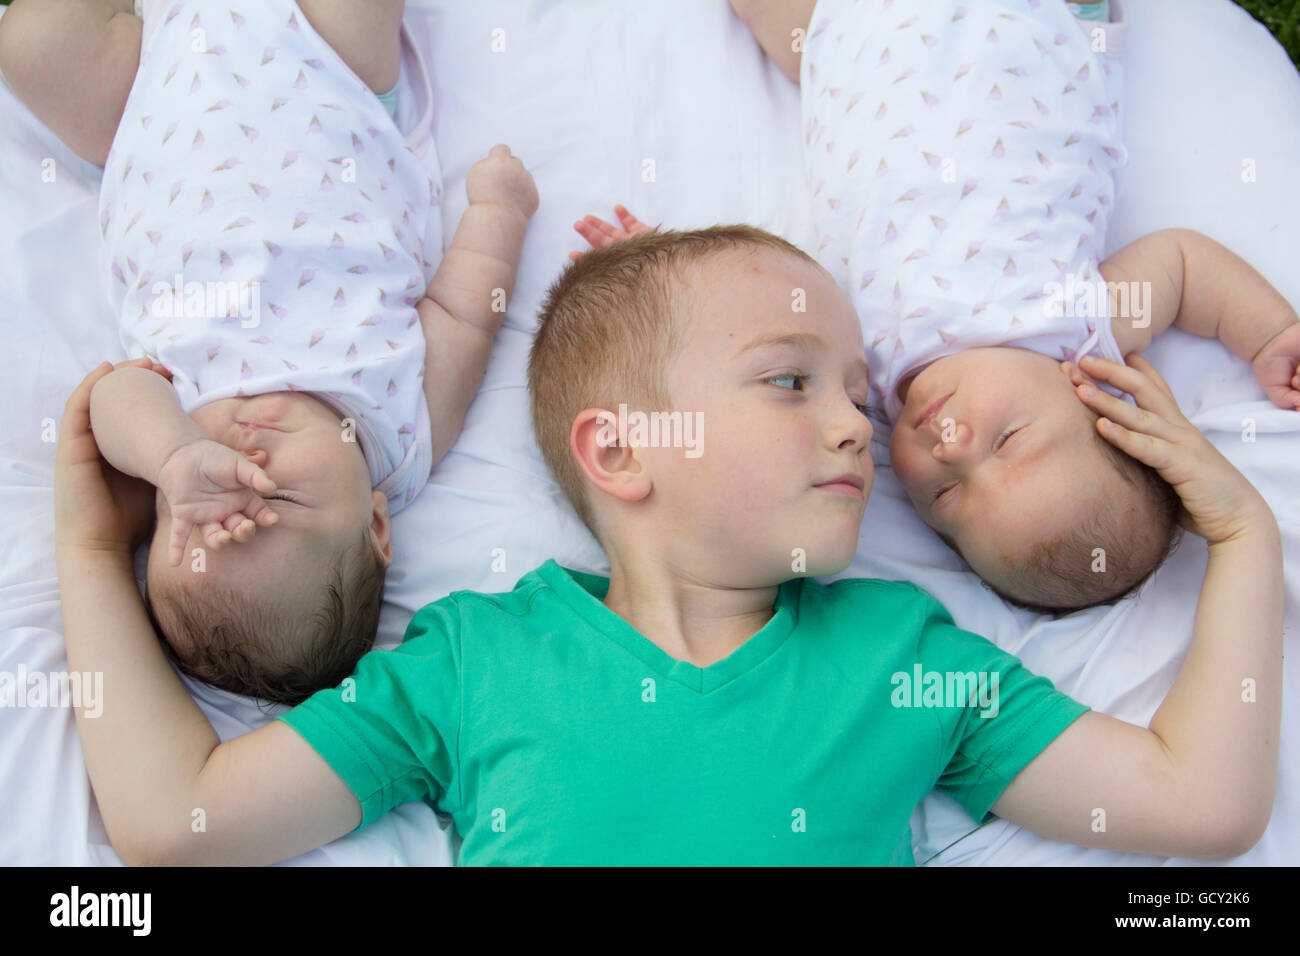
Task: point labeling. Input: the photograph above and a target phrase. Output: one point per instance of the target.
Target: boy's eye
(283, 496)
(787, 378)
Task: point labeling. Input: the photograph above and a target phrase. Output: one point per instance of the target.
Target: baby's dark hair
(1061, 575)
(221, 638)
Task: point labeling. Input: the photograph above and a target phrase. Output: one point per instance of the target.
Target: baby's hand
(1276, 367)
(215, 487)
(501, 178)
(1218, 502)
(600, 233)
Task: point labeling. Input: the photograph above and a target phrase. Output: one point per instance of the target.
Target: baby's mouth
(932, 410)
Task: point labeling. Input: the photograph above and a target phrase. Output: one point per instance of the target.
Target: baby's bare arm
(780, 27)
(1198, 285)
(138, 421)
(466, 301)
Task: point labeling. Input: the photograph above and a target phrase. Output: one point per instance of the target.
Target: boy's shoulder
(518, 602)
(514, 599)
(877, 592)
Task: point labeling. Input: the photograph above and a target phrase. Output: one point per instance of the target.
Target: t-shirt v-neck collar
(584, 593)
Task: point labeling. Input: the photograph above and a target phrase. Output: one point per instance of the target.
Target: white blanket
(671, 109)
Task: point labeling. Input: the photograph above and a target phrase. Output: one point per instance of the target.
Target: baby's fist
(501, 178)
(1277, 367)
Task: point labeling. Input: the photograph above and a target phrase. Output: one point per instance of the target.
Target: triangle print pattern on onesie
(960, 162)
(268, 228)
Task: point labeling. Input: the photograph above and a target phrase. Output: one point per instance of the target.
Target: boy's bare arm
(156, 765)
(1203, 288)
(466, 301)
(153, 759)
(1200, 781)
(780, 27)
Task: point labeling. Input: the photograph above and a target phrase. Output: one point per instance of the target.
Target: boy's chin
(828, 559)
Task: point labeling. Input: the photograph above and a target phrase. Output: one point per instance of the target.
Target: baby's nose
(951, 438)
(257, 456)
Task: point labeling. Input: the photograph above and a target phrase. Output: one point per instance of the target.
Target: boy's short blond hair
(609, 327)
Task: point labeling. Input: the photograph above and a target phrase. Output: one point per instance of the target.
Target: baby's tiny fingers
(241, 527)
(180, 535)
(601, 227)
(259, 512)
(251, 476)
(631, 223)
(215, 535)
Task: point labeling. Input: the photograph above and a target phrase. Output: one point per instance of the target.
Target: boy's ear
(381, 529)
(614, 469)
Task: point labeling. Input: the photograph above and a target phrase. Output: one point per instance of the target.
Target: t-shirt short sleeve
(391, 731)
(1010, 714)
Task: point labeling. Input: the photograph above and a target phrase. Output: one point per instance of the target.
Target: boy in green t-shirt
(699, 398)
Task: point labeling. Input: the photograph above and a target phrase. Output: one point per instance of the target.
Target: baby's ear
(381, 529)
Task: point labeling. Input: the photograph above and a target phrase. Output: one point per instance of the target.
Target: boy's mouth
(848, 483)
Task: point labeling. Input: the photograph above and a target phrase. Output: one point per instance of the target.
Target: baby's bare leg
(72, 62)
(364, 35)
(773, 23)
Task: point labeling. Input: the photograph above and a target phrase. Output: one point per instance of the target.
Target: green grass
(1280, 16)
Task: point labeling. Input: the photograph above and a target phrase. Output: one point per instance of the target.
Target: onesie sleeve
(391, 731)
(1010, 716)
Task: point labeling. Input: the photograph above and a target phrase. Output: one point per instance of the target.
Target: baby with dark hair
(267, 229)
(960, 160)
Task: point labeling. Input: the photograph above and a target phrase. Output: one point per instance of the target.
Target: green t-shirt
(554, 733)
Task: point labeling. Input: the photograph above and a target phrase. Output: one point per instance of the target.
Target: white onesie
(267, 226)
(960, 160)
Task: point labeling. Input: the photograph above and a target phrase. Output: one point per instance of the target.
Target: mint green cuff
(1091, 11)
(389, 100)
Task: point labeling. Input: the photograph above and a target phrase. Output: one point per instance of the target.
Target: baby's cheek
(903, 461)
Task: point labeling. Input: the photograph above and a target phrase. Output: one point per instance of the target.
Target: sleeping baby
(960, 161)
(266, 228)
